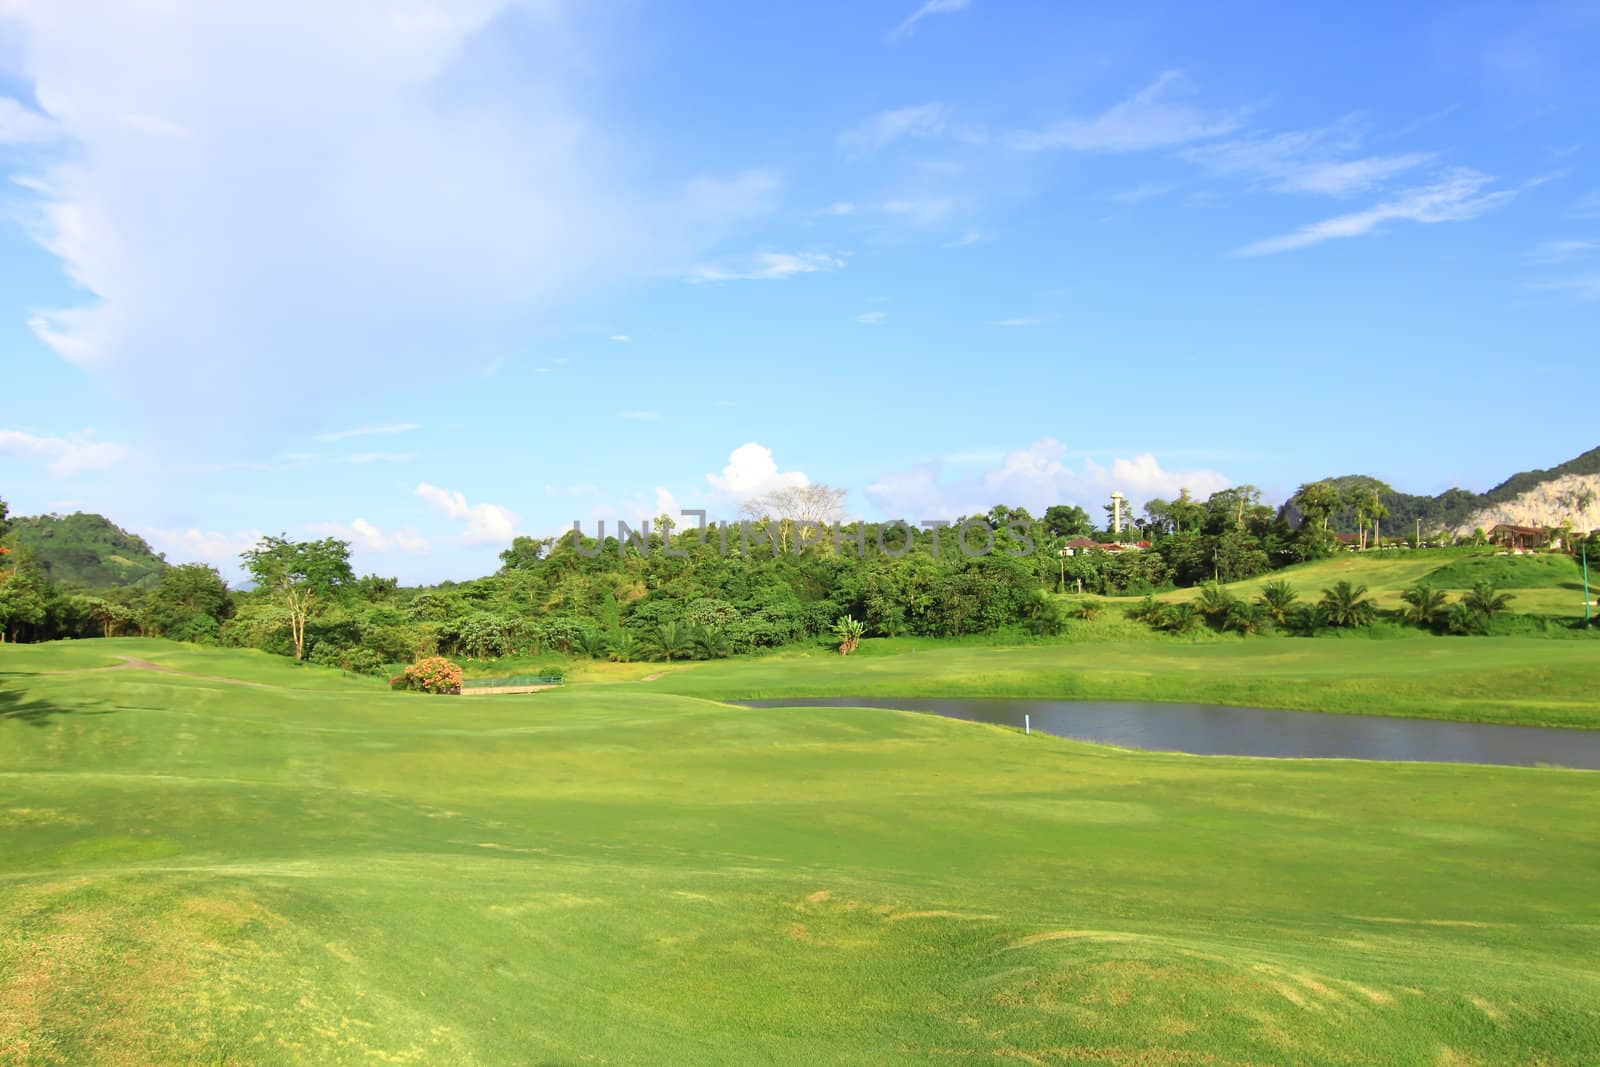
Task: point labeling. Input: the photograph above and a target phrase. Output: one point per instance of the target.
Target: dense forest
(789, 571)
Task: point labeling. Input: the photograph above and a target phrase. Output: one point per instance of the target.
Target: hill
(1566, 492)
(86, 550)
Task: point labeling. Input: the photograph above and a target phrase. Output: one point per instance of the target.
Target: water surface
(1216, 730)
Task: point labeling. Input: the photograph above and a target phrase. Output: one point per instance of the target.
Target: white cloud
(1562, 251)
(364, 535)
(872, 318)
(1586, 289)
(1306, 161)
(971, 237)
(1034, 477)
(1140, 193)
(930, 7)
(643, 416)
(886, 127)
(204, 546)
(1457, 198)
(1154, 117)
(19, 125)
(839, 208)
(403, 195)
(486, 523)
(381, 457)
(923, 210)
(621, 338)
(1587, 207)
(369, 431)
(63, 456)
(751, 471)
(1025, 320)
(766, 266)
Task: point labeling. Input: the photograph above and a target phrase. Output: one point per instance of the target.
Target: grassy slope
(315, 870)
(1541, 584)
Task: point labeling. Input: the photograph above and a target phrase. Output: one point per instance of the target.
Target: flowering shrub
(432, 674)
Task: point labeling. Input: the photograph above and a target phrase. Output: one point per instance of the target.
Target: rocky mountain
(1569, 498)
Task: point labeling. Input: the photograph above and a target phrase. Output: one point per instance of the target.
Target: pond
(1214, 730)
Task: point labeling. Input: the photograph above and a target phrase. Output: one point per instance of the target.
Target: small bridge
(517, 683)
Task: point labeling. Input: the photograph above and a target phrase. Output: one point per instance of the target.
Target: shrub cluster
(432, 674)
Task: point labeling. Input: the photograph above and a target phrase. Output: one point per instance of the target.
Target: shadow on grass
(17, 705)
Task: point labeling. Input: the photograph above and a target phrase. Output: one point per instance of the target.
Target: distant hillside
(86, 550)
(1541, 497)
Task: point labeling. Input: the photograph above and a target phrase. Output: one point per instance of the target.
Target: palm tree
(591, 643)
(848, 630)
(1088, 610)
(1461, 619)
(1214, 601)
(1485, 602)
(1347, 605)
(711, 643)
(1377, 512)
(1149, 611)
(622, 647)
(670, 641)
(1181, 618)
(1275, 599)
(1305, 619)
(1246, 618)
(1424, 604)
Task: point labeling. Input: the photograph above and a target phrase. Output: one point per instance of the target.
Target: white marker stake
(1027, 724)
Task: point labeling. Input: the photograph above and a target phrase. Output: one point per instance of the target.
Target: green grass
(311, 869)
(1542, 584)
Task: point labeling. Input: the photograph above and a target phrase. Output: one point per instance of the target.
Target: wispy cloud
(1140, 193)
(1586, 289)
(872, 318)
(1025, 320)
(1306, 161)
(838, 208)
(63, 456)
(1457, 198)
(18, 125)
(643, 416)
(381, 457)
(369, 431)
(971, 237)
(1157, 116)
(931, 7)
(1562, 251)
(922, 210)
(485, 523)
(886, 127)
(766, 266)
(621, 338)
(1587, 207)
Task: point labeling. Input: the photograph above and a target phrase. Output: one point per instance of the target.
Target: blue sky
(427, 274)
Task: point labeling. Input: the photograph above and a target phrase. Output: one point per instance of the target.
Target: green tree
(1317, 501)
(592, 643)
(299, 576)
(1485, 602)
(189, 603)
(1067, 520)
(1276, 598)
(1425, 605)
(670, 641)
(847, 631)
(1246, 618)
(22, 603)
(1346, 605)
(711, 643)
